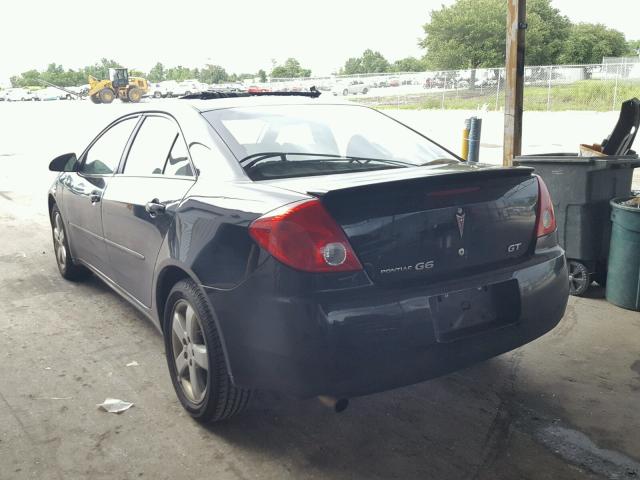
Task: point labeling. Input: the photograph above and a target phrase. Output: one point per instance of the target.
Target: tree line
(468, 34)
(57, 75)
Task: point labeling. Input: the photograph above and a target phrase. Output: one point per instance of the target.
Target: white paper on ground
(114, 405)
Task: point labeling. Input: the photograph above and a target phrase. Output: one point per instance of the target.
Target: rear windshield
(280, 141)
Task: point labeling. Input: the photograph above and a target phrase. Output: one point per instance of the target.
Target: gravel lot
(563, 407)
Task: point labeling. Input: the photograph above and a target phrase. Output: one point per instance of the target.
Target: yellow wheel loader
(119, 85)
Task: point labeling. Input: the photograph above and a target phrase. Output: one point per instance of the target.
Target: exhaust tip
(341, 405)
(337, 404)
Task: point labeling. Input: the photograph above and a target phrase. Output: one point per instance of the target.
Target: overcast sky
(241, 35)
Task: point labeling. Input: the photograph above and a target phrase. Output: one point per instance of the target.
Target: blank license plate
(467, 312)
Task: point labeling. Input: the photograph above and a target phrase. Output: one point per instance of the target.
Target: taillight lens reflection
(546, 221)
(304, 236)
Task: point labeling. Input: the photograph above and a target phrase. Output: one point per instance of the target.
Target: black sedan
(306, 247)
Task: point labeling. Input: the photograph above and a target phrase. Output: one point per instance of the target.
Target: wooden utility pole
(514, 69)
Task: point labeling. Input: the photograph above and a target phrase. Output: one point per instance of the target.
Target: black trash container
(581, 188)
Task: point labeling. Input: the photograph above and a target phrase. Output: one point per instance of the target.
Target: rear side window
(158, 149)
(104, 155)
(178, 162)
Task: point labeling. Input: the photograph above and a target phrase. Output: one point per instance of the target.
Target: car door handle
(95, 197)
(155, 208)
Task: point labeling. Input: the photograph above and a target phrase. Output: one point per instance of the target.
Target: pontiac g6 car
(306, 247)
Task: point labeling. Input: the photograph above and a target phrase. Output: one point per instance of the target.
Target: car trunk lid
(430, 223)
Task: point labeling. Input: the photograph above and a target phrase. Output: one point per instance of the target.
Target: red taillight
(546, 222)
(304, 236)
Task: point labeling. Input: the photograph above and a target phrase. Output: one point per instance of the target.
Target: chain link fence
(600, 87)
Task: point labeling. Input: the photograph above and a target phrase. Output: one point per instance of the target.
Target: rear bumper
(281, 333)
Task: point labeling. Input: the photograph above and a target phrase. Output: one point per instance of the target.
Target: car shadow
(595, 291)
(130, 313)
(435, 429)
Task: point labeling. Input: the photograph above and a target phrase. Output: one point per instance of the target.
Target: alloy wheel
(58, 240)
(579, 278)
(189, 352)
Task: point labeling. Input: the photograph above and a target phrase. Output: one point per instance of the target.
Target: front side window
(158, 149)
(104, 155)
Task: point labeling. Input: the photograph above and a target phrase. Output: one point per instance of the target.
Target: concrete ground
(563, 407)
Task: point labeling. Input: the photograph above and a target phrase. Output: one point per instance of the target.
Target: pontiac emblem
(460, 219)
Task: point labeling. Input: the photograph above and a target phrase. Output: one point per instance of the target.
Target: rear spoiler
(312, 93)
(435, 177)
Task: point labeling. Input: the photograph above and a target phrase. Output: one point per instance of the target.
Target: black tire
(95, 98)
(67, 267)
(107, 95)
(579, 278)
(365, 91)
(134, 94)
(157, 95)
(345, 92)
(221, 399)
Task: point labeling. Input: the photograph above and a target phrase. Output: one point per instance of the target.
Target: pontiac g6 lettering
(418, 266)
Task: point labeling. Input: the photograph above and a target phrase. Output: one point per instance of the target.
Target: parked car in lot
(18, 95)
(51, 93)
(310, 248)
(186, 88)
(156, 90)
(352, 87)
(259, 89)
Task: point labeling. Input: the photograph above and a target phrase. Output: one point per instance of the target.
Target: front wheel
(579, 278)
(106, 95)
(68, 269)
(195, 358)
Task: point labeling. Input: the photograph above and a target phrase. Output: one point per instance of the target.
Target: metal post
(549, 90)
(615, 89)
(498, 90)
(465, 139)
(475, 131)
(514, 70)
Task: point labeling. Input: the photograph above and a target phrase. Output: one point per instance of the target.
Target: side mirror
(64, 163)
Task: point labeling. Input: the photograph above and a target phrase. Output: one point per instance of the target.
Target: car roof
(180, 107)
(261, 100)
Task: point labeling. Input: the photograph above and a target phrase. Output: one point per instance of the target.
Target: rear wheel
(106, 95)
(157, 95)
(134, 94)
(345, 92)
(579, 278)
(68, 269)
(365, 91)
(95, 98)
(195, 358)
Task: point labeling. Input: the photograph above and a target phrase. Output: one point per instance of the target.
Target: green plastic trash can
(623, 276)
